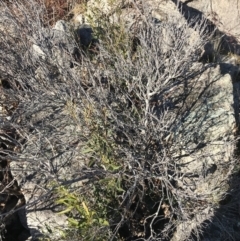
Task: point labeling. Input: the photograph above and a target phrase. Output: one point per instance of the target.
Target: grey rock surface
(206, 136)
(225, 14)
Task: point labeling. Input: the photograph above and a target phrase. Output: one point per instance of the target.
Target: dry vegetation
(107, 120)
(58, 9)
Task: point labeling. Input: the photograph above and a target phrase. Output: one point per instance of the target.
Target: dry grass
(60, 9)
(54, 10)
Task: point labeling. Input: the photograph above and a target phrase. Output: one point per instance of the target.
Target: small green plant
(112, 33)
(89, 215)
(83, 218)
(101, 142)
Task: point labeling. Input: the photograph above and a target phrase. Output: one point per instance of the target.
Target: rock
(44, 221)
(107, 10)
(36, 177)
(162, 10)
(40, 214)
(206, 137)
(6, 25)
(63, 37)
(224, 14)
(37, 52)
(106, 7)
(79, 19)
(61, 25)
(59, 44)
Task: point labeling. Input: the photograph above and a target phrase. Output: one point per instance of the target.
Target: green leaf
(86, 209)
(119, 189)
(66, 201)
(105, 180)
(79, 209)
(87, 150)
(103, 222)
(91, 163)
(69, 209)
(73, 221)
(113, 167)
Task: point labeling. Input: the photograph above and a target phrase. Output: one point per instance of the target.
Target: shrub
(109, 120)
